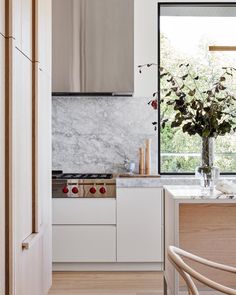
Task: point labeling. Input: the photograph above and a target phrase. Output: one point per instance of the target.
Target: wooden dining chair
(188, 273)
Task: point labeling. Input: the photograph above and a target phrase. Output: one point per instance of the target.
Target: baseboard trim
(107, 266)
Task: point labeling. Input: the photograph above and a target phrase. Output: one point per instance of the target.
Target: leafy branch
(207, 112)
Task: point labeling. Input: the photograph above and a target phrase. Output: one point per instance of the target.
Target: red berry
(154, 104)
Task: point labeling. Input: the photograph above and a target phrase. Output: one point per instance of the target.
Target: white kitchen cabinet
(84, 211)
(84, 243)
(84, 230)
(139, 224)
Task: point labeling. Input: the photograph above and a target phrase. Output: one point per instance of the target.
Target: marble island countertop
(195, 192)
(162, 181)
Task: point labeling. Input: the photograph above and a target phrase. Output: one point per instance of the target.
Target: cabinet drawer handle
(30, 241)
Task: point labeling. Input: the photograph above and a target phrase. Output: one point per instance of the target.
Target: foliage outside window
(185, 39)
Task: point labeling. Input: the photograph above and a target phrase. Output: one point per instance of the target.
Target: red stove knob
(103, 190)
(65, 190)
(75, 190)
(93, 190)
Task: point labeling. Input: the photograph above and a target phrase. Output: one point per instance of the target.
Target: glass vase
(207, 172)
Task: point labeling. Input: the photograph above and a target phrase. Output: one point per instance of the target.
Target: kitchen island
(202, 224)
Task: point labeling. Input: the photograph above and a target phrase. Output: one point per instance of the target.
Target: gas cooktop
(83, 185)
(58, 174)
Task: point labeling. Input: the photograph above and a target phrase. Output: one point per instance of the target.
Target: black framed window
(185, 32)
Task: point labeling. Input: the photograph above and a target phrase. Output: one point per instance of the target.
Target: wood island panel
(209, 230)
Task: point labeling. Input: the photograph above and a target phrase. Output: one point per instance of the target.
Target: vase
(207, 172)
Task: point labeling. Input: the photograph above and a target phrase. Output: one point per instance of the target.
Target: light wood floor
(107, 283)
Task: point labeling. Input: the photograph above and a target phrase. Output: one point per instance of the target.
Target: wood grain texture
(21, 162)
(104, 283)
(8, 18)
(222, 48)
(209, 231)
(169, 225)
(20, 129)
(43, 54)
(9, 266)
(35, 125)
(148, 157)
(141, 161)
(21, 23)
(2, 17)
(2, 166)
(35, 143)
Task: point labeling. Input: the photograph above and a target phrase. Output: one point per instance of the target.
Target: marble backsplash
(92, 134)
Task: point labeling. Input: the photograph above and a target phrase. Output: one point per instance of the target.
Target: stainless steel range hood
(93, 47)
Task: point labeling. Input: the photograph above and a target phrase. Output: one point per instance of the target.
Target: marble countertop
(195, 192)
(161, 181)
(156, 182)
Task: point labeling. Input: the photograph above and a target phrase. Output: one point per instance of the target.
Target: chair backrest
(175, 256)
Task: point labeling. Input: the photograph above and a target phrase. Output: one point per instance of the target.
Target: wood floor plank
(107, 283)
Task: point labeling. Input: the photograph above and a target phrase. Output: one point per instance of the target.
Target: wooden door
(22, 177)
(28, 156)
(44, 36)
(2, 165)
(22, 25)
(44, 173)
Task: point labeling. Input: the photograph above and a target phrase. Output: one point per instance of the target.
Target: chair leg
(165, 286)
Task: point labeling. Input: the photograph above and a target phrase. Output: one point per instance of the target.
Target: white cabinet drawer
(84, 243)
(84, 211)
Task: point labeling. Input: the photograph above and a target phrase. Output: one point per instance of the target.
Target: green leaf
(186, 127)
(192, 92)
(174, 88)
(206, 133)
(221, 87)
(175, 124)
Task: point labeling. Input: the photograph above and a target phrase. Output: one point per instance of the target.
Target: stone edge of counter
(154, 182)
(162, 181)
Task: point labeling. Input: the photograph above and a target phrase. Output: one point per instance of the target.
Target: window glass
(186, 32)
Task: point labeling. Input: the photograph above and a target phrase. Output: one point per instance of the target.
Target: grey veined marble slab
(96, 134)
(194, 192)
(162, 181)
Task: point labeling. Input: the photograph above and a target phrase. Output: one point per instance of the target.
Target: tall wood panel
(28, 153)
(22, 26)
(22, 155)
(44, 165)
(2, 165)
(2, 17)
(44, 36)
